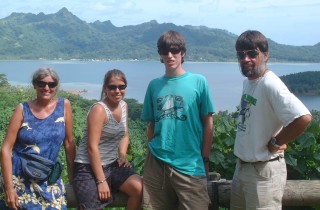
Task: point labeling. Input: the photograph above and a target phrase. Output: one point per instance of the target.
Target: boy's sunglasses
(173, 50)
(114, 87)
(250, 53)
(43, 84)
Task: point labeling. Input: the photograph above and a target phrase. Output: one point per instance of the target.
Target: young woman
(37, 127)
(101, 168)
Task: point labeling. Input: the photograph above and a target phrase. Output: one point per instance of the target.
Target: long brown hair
(108, 76)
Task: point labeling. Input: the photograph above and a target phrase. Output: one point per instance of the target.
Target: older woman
(37, 127)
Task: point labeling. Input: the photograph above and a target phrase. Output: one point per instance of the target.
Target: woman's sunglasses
(114, 87)
(43, 84)
(250, 53)
(173, 50)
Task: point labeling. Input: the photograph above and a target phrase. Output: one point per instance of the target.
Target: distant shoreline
(224, 78)
(136, 60)
(76, 92)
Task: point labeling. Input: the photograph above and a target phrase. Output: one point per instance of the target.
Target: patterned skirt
(85, 187)
(33, 195)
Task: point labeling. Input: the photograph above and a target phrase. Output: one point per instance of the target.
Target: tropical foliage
(302, 155)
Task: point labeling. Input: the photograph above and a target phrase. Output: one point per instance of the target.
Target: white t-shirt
(266, 106)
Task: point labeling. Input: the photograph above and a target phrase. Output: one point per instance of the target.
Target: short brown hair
(250, 40)
(169, 38)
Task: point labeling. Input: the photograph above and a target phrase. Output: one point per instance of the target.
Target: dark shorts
(85, 187)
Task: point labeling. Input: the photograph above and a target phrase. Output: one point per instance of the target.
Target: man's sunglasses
(250, 53)
(114, 87)
(173, 50)
(43, 84)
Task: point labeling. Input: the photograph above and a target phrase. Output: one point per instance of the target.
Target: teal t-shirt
(177, 105)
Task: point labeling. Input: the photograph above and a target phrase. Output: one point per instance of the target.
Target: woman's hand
(123, 163)
(104, 191)
(12, 199)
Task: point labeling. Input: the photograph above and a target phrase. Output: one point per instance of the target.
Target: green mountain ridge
(63, 35)
(303, 83)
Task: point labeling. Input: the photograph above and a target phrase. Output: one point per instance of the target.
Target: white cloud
(99, 6)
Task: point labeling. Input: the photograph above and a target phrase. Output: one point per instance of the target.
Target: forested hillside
(64, 36)
(303, 83)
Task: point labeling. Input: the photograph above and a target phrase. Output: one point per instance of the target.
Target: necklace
(251, 85)
(249, 90)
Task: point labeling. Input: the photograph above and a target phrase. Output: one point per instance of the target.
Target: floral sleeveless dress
(43, 137)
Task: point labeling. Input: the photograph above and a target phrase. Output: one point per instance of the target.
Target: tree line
(303, 83)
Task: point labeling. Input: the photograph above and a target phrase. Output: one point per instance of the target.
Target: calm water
(225, 79)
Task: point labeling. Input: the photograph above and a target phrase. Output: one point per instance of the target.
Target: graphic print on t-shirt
(246, 102)
(170, 106)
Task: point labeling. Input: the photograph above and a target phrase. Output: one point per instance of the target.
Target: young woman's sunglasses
(250, 53)
(114, 87)
(173, 50)
(43, 84)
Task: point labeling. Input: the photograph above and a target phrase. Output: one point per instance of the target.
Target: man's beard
(253, 73)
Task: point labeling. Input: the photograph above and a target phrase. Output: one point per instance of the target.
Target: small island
(303, 83)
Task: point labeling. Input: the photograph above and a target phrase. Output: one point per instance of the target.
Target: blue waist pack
(40, 169)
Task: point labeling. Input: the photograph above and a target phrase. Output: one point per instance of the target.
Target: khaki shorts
(166, 188)
(258, 185)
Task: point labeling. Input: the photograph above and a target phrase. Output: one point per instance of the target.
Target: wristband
(206, 159)
(123, 159)
(100, 181)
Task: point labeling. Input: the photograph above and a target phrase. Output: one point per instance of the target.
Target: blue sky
(292, 22)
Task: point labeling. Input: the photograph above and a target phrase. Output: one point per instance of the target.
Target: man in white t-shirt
(270, 117)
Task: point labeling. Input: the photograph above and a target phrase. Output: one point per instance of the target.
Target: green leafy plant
(302, 155)
(222, 159)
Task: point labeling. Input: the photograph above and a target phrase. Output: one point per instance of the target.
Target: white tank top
(111, 135)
